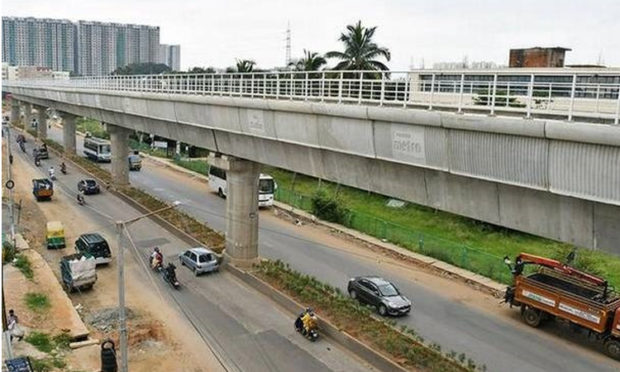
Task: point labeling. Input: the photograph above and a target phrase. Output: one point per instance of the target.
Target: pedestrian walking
(13, 326)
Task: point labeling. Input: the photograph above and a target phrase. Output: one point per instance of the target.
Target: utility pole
(120, 225)
(121, 298)
(288, 44)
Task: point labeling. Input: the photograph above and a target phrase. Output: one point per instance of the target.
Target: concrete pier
(119, 137)
(68, 132)
(42, 118)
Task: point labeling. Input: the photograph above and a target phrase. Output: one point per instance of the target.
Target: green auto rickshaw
(55, 235)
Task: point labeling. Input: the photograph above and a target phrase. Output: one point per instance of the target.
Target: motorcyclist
(170, 272)
(63, 168)
(80, 197)
(51, 173)
(37, 160)
(308, 320)
(157, 259)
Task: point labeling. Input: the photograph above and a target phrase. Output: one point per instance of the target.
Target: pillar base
(241, 262)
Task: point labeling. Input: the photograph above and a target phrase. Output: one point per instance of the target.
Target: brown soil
(161, 339)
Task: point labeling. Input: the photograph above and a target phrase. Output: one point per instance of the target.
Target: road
(502, 343)
(247, 330)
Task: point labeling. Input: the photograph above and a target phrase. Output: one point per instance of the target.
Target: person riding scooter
(306, 321)
(51, 173)
(63, 168)
(157, 259)
(80, 197)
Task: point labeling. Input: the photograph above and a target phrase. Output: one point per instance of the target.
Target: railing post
(405, 93)
(264, 85)
(530, 93)
(598, 94)
(291, 87)
(241, 86)
(359, 96)
(617, 119)
(306, 94)
(382, 98)
(430, 103)
(322, 86)
(213, 84)
(493, 94)
(460, 110)
(507, 93)
(572, 98)
(277, 85)
(252, 85)
(340, 88)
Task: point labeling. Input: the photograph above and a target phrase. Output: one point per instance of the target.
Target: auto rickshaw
(42, 189)
(55, 235)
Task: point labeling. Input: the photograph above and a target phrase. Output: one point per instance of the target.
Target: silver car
(199, 260)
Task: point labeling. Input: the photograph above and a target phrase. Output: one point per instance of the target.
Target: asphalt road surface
(498, 343)
(247, 330)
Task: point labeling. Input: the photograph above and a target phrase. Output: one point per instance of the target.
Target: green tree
(360, 52)
(245, 65)
(311, 61)
(142, 69)
(201, 70)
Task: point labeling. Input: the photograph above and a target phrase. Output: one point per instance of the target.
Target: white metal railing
(566, 93)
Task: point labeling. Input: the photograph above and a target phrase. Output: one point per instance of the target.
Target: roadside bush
(8, 252)
(37, 302)
(327, 208)
(23, 264)
(41, 341)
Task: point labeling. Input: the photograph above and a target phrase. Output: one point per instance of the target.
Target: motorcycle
(52, 175)
(170, 275)
(37, 161)
(80, 199)
(311, 334)
(63, 168)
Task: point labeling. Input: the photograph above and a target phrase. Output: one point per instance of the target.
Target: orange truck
(555, 290)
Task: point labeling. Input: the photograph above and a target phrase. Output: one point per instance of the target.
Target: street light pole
(120, 225)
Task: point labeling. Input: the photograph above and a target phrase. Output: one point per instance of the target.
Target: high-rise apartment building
(103, 47)
(170, 55)
(39, 42)
(85, 47)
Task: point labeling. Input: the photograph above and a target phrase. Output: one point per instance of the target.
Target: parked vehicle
(42, 189)
(558, 291)
(55, 235)
(88, 186)
(135, 162)
(78, 272)
(94, 245)
(40, 152)
(97, 149)
(380, 293)
(266, 186)
(199, 260)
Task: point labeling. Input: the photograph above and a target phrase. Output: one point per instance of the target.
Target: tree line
(359, 52)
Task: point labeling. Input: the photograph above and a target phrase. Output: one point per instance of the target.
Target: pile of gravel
(107, 319)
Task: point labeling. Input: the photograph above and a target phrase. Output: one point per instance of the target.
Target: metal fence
(444, 250)
(563, 93)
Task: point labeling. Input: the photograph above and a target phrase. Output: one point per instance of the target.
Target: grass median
(179, 219)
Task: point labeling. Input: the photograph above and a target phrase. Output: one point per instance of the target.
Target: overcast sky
(214, 33)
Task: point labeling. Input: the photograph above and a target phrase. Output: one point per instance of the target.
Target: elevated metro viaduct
(550, 178)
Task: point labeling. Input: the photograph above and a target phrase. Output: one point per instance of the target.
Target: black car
(88, 186)
(380, 293)
(94, 245)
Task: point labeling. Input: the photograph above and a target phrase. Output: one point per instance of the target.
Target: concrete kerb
(478, 281)
(363, 351)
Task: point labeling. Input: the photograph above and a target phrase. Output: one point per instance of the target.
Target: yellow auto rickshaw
(55, 235)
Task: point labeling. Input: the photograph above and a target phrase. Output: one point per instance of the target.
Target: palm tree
(311, 61)
(359, 50)
(245, 65)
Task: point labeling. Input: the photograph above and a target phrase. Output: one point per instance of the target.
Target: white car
(199, 260)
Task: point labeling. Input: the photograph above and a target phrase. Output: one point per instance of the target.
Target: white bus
(266, 186)
(97, 149)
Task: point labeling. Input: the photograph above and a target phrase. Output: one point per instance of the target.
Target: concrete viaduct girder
(548, 178)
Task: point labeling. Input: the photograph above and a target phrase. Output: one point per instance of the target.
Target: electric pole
(288, 44)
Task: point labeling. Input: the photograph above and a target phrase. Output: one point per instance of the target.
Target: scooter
(63, 168)
(52, 175)
(80, 199)
(312, 334)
